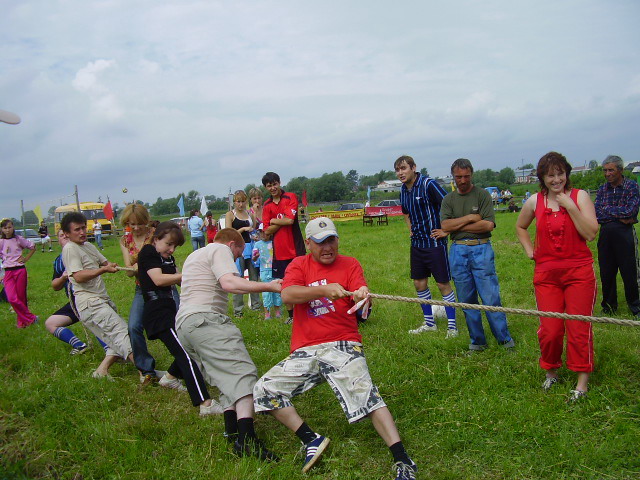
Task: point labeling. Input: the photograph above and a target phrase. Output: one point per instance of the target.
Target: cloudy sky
(161, 97)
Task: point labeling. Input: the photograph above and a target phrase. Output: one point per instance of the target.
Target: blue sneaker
(313, 450)
(405, 471)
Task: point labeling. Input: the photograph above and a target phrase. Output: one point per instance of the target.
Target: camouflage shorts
(341, 364)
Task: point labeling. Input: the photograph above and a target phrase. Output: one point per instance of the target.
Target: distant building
(388, 186)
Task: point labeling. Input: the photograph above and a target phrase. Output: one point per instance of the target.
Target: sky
(160, 97)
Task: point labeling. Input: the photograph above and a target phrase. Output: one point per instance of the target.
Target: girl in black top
(157, 272)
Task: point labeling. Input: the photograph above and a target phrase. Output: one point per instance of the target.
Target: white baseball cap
(319, 229)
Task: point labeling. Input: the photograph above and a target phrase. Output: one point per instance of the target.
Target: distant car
(351, 206)
(30, 234)
(389, 203)
(182, 221)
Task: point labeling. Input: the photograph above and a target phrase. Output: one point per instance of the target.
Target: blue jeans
(474, 273)
(141, 356)
(99, 239)
(197, 242)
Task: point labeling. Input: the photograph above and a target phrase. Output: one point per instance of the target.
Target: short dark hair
(404, 158)
(169, 228)
(72, 217)
(193, 212)
(270, 177)
(462, 164)
(549, 161)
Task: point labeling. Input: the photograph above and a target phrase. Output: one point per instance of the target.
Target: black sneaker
(405, 471)
(230, 437)
(255, 448)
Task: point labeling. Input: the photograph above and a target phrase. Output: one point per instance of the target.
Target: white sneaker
(174, 383)
(452, 333)
(424, 328)
(214, 409)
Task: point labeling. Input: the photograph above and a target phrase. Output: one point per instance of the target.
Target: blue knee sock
(427, 311)
(67, 336)
(451, 311)
(102, 344)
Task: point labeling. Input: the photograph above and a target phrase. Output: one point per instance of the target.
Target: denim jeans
(143, 359)
(99, 240)
(474, 273)
(197, 242)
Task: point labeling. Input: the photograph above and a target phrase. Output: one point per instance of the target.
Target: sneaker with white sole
(424, 328)
(576, 395)
(214, 409)
(548, 383)
(79, 351)
(174, 383)
(452, 333)
(405, 471)
(313, 451)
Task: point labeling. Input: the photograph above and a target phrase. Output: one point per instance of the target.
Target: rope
(517, 311)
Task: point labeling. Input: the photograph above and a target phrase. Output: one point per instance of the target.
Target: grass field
(460, 416)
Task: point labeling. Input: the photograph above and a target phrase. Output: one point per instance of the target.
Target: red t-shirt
(287, 241)
(322, 321)
(558, 243)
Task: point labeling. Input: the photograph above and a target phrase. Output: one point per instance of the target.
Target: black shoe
(255, 448)
(230, 437)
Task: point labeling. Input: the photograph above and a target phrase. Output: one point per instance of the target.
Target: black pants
(618, 250)
(183, 367)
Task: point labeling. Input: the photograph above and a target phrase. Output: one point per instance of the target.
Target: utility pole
(77, 201)
(22, 212)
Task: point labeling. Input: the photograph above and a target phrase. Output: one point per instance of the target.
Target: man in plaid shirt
(617, 203)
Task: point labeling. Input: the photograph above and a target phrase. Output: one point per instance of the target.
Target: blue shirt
(617, 203)
(58, 270)
(422, 204)
(195, 227)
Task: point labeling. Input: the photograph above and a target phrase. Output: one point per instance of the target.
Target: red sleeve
(356, 277)
(294, 275)
(266, 215)
(292, 206)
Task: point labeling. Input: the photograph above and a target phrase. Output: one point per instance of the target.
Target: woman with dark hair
(210, 226)
(564, 279)
(196, 227)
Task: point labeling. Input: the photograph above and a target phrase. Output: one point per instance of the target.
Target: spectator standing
(196, 227)
(97, 233)
(43, 231)
(468, 217)
(617, 203)
(421, 198)
(564, 278)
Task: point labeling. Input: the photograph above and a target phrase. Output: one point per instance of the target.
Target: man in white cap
(326, 346)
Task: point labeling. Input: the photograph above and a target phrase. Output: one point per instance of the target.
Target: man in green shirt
(467, 215)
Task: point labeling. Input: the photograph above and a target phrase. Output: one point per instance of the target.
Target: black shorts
(279, 267)
(430, 261)
(67, 311)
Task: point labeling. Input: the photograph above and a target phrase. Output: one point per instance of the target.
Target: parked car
(389, 203)
(30, 234)
(351, 206)
(182, 221)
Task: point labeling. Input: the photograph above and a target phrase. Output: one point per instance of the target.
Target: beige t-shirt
(84, 257)
(200, 289)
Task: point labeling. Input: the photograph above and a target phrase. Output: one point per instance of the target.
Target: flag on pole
(108, 211)
(203, 206)
(181, 205)
(38, 212)
(304, 198)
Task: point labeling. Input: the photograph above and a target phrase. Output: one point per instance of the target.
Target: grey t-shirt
(84, 257)
(477, 201)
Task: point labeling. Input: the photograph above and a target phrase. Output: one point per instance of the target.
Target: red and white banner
(393, 211)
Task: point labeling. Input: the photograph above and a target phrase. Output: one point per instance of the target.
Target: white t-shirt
(200, 289)
(97, 228)
(84, 257)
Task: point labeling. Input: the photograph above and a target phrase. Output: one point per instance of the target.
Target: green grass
(460, 416)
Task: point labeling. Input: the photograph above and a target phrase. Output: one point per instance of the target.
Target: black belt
(158, 294)
(8, 269)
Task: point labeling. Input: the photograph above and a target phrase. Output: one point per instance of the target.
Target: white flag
(203, 206)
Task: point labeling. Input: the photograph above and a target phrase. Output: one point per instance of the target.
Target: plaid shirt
(618, 203)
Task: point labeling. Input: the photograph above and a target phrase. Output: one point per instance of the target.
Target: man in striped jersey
(420, 198)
